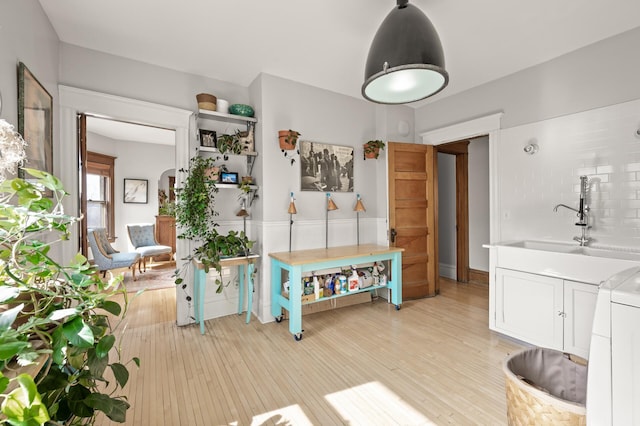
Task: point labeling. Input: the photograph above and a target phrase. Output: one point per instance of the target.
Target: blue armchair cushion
(142, 235)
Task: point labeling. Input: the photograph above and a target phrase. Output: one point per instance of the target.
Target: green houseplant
(196, 215)
(58, 324)
(230, 144)
(288, 139)
(372, 148)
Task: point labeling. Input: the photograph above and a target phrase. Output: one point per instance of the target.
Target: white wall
(136, 161)
(527, 187)
(601, 74)
(327, 117)
(447, 215)
(479, 203)
(601, 144)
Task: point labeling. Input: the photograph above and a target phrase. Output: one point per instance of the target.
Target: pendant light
(406, 61)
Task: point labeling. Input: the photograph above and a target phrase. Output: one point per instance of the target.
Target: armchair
(143, 239)
(106, 257)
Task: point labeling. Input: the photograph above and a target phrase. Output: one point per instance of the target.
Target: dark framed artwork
(136, 191)
(208, 138)
(325, 167)
(35, 121)
(227, 177)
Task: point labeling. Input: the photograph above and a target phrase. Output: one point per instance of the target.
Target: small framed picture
(136, 191)
(208, 138)
(226, 177)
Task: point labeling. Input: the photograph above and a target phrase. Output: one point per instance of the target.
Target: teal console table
(298, 262)
(200, 283)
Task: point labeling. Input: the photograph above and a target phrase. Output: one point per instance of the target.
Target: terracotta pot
(282, 137)
(372, 154)
(212, 173)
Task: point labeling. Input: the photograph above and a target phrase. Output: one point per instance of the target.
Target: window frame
(104, 165)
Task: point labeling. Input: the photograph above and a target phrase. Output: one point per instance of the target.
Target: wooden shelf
(215, 150)
(233, 186)
(203, 113)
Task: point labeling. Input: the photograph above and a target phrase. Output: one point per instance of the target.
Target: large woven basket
(545, 387)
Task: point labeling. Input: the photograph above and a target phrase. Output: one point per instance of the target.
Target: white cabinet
(545, 311)
(529, 307)
(579, 307)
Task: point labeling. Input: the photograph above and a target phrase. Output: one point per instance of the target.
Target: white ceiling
(325, 43)
(130, 132)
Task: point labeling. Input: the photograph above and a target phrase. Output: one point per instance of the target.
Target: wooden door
(413, 210)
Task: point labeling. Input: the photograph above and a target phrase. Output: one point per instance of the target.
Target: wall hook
(531, 148)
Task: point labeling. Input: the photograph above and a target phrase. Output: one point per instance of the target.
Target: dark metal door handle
(393, 234)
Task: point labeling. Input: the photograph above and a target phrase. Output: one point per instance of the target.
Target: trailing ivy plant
(230, 144)
(196, 216)
(62, 318)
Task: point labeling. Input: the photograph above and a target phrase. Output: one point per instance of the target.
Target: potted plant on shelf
(196, 216)
(230, 144)
(372, 148)
(56, 346)
(288, 139)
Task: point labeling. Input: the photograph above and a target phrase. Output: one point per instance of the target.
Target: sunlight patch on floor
(291, 415)
(373, 403)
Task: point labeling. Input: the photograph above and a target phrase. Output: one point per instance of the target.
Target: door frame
(460, 149)
(74, 101)
(487, 125)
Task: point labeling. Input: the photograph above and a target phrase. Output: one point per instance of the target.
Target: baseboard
(448, 271)
(477, 276)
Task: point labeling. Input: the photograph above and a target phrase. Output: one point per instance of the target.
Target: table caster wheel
(397, 307)
(297, 336)
(279, 318)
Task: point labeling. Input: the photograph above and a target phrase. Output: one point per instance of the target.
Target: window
(100, 192)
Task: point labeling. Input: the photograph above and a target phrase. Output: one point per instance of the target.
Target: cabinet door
(579, 307)
(529, 307)
(625, 364)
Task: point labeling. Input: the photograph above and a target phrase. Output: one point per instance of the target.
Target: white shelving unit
(215, 116)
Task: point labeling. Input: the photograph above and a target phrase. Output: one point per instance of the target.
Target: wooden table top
(299, 257)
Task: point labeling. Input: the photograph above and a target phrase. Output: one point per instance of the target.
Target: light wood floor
(433, 362)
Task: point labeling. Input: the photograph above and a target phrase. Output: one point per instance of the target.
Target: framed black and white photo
(136, 191)
(208, 138)
(35, 121)
(325, 167)
(227, 177)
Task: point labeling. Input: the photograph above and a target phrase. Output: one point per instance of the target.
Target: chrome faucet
(582, 212)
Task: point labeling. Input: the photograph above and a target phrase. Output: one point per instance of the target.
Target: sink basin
(545, 246)
(575, 249)
(563, 260)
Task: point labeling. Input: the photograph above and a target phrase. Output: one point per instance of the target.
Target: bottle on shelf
(316, 287)
(354, 282)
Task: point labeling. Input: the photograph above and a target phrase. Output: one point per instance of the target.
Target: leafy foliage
(68, 309)
(374, 146)
(196, 216)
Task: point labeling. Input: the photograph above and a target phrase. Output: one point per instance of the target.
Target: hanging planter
(372, 149)
(288, 139)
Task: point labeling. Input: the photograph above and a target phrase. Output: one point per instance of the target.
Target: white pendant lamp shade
(406, 61)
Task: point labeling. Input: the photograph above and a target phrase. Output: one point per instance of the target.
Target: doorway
(125, 144)
(463, 189)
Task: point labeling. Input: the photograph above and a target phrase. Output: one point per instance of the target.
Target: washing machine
(613, 383)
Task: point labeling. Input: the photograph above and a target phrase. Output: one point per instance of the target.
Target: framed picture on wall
(35, 121)
(325, 167)
(136, 191)
(208, 138)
